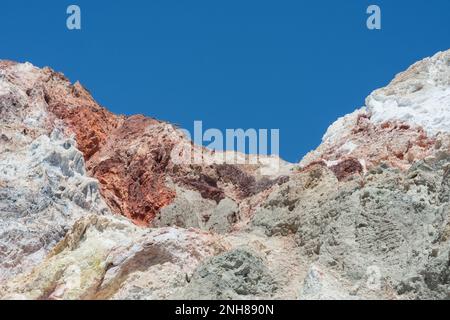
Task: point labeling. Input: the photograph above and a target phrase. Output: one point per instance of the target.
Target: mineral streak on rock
(96, 206)
(131, 157)
(346, 168)
(131, 167)
(121, 152)
(401, 123)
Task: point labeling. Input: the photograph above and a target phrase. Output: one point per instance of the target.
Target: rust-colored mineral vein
(121, 152)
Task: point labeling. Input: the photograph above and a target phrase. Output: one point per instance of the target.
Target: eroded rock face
(392, 221)
(44, 188)
(232, 275)
(400, 124)
(108, 257)
(97, 206)
(131, 157)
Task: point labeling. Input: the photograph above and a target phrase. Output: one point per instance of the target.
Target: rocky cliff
(95, 206)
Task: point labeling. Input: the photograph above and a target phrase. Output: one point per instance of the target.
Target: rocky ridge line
(366, 215)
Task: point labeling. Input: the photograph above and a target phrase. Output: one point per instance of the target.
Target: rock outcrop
(98, 206)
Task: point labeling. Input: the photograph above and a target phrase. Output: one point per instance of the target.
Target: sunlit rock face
(44, 188)
(406, 121)
(95, 206)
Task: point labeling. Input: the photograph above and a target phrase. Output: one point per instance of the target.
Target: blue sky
(293, 65)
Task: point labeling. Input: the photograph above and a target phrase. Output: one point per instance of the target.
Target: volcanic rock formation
(98, 206)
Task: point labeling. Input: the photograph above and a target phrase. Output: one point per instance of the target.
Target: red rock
(347, 168)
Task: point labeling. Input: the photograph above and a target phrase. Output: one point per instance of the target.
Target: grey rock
(224, 216)
(237, 274)
(188, 210)
(394, 221)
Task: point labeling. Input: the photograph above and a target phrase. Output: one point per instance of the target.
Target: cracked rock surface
(98, 206)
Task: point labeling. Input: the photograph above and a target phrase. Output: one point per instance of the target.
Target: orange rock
(128, 162)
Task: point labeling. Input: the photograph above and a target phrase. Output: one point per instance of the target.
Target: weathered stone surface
(224, 217)
(232, 275)
(391, 220)
(97, 206)
(108, 257)
(188, 210)
(44, 190)
(323, 285)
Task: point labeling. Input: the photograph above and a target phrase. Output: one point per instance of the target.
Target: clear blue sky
(293, 65)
